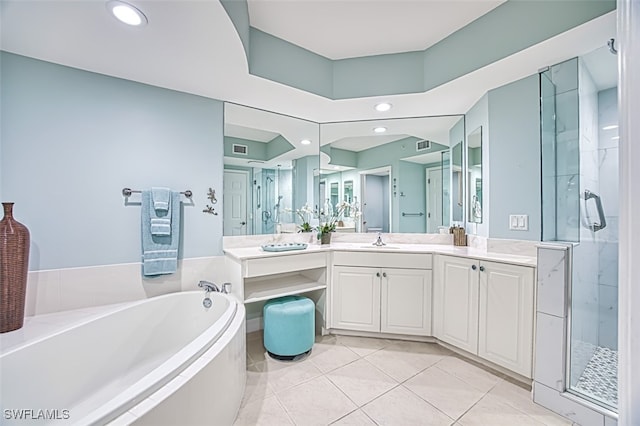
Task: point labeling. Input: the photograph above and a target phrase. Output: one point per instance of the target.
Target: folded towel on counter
(160, 252)
(161, 198)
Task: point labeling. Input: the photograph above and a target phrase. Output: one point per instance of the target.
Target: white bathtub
(164, 360)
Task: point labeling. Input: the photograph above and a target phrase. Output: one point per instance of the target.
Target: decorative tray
(284, 247)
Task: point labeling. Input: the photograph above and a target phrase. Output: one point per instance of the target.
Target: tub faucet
(379, 242)
(208, 286)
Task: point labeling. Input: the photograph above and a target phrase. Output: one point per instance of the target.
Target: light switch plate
(519, 222)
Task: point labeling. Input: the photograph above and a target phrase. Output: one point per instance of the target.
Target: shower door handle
(595, 226)
(259, 194)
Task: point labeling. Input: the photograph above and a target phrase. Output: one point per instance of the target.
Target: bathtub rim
(238, 325)
(159, 376)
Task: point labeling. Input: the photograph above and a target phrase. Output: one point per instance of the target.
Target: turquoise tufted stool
(289, 326)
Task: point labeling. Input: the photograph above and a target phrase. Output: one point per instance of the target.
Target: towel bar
(412, 214)
(126, 192)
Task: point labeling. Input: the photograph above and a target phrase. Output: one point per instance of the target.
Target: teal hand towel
(160, 213)
(160, 226)
(159, 252)
(161, 198)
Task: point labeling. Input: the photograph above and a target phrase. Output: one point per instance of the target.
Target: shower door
(580, 205)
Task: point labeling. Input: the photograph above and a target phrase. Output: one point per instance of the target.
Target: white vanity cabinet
(455, 296)
(486, 308)
(381, 292)
(355, 298)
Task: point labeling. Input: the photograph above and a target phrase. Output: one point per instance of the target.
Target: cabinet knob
(384, 274)
(378, 274)
(481, 268)
(474, 267)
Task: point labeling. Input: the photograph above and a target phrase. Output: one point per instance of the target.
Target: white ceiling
(192, 46)
(347, 29)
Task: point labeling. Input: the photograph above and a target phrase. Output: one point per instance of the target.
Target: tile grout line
(420, 397)
(476, 403)
(284, 409)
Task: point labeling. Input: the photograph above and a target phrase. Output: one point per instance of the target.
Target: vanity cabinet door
(455, 304)
(506, 316)
(406, 301)
(355, 298)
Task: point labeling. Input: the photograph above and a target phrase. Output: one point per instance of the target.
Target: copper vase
(14, 265)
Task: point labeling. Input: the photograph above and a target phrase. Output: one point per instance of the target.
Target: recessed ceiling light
(127, 13)
(305, 141)
(380, 129)
(383, 106)
(610, 127)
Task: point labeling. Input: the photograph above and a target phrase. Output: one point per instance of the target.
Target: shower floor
(600, 378)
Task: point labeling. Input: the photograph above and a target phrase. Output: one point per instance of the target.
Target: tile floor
(366, 381)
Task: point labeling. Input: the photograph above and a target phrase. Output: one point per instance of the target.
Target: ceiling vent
(240, 149)
(423, 145)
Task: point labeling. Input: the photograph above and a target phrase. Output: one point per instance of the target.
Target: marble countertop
(245, 253)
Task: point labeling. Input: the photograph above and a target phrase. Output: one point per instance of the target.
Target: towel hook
(210, 210)
(211, 195)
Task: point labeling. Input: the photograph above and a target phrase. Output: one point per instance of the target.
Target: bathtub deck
(37, 327)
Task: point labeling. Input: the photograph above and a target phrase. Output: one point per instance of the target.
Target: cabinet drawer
(383, 260)
(282, 264)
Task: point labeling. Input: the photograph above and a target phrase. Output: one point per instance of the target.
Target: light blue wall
(71, 140)
(378, 75)
(505, 30)
(514, 158)
(255, 150)
(278, 60)
(392, 152)
(304, 184)
(412, 196)
(238, 11)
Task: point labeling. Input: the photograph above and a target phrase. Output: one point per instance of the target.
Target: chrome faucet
(379, 242)
(208, 286)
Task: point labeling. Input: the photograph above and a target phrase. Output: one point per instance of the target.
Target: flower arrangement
(328, 222)
(305, 214)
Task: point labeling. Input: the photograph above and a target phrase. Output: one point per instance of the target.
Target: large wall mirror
(271, 170)
(474, 172)
(397, 175)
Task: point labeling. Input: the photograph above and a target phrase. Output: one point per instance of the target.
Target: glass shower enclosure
(579, 143)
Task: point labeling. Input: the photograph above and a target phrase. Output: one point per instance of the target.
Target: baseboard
(254, 324)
